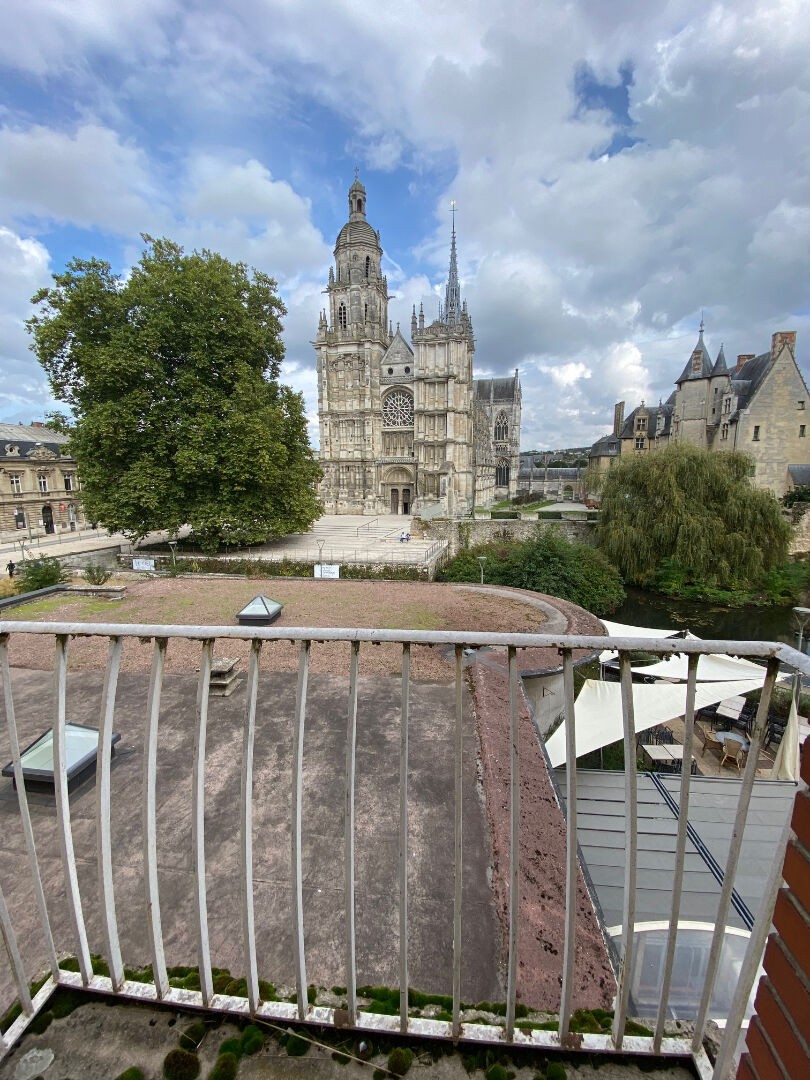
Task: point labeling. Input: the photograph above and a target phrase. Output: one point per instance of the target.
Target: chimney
(780, 339)
(618, 418)
(743, 358)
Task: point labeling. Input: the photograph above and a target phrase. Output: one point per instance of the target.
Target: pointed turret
(699, 364)
(357, 200)
(720, 364)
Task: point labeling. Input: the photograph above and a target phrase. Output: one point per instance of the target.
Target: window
(724, 431)
(800, 405)
(641, 423)
(69, 486)
(756, 432)
(640, 442)
(15, 479)
(342, 317)
(501, 427)
(368, 264)
(397, 409)
(502, 474)
(42, 480)
(727, 405)
(802, 428)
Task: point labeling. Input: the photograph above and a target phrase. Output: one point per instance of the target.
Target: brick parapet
(778, 1040)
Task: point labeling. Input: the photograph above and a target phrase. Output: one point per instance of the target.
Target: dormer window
(697, 362)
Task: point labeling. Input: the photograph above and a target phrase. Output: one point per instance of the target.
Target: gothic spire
(452, 296)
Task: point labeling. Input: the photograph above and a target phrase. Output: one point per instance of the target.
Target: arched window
(501, 427)
(502, 473)
(368, 264)
(342, 316)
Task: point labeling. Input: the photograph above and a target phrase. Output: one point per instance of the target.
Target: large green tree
(172, 374)
(693, 516)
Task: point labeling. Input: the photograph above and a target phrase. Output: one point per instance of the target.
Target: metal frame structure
(206, 999)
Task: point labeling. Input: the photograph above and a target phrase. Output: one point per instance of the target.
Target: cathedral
(404, 427)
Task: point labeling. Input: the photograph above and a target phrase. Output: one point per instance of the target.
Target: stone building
(405, 428)
(39, 486)
(757, 407)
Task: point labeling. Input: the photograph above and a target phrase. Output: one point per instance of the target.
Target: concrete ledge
(111, 592)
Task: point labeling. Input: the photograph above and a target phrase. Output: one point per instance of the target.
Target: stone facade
(404, 427)
(758, 407)
(39, 486)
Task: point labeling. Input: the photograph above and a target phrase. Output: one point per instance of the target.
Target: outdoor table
(669, 755)
(732, 736)
(656, 753)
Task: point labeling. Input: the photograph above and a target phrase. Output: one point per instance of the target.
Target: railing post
(295, 836)
(348, 824)
(458, 848)
(198, 820)
(103, 767)
(514, 844)
(631, 851)
(569, 947)
(153, 920)
(403, 837)
(246, 847)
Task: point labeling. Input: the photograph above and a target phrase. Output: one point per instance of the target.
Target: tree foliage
(547, 563)
(685, 513)
(172, 375)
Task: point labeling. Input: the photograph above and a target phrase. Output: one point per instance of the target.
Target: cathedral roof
(496, 389)
(358, 231)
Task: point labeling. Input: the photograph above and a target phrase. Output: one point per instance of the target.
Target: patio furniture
(735, 753)
(710, 741)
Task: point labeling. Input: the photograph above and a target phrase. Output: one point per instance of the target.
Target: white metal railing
(151, 914)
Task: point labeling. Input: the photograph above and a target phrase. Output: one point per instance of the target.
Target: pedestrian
(11, 567)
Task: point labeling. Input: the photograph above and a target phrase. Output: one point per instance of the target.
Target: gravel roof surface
(214, 601)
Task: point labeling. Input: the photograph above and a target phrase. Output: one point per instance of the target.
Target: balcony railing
(111, 920)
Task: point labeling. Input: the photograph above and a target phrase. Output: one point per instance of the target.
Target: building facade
(39, 485)
(405, 428)
(758, 407)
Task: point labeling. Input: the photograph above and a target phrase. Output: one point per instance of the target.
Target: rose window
(397, 409)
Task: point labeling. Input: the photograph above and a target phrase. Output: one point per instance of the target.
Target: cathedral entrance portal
(398, 486)
(394, 500)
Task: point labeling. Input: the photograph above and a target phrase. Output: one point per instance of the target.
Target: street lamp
(173, 546)
(801, 617)
(481, 560)
(320, 544)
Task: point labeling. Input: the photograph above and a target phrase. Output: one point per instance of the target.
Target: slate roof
(705, 363)
(607, 446)
(799, 474)
(357, 232)
(665, 408)
(27, 438)
(501, 389)
(749, 378)
(720, 367)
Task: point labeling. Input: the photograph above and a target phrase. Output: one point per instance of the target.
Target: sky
(620, 170)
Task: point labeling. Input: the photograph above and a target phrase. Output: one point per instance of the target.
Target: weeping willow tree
(692, 514)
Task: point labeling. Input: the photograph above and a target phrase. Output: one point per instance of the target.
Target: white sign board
(143, 564)
(327, 570)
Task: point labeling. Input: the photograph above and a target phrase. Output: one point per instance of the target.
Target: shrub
(181, 1065)
(194, 1034)
(41, 574)
(132, 1073)
(252, 1040)
(556, 1071)
(400, 1060)
(226, 1067)
(296, 1045)
(96, 575)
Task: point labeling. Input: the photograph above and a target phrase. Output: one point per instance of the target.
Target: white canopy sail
(599, 710)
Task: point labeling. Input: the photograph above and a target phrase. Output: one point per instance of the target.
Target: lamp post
(801, 617)
(320, 544)
(481, 560)
(173, 546)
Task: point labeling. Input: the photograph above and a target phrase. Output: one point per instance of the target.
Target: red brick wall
(778, 1042)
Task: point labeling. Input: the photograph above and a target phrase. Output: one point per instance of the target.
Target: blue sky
(618, 168)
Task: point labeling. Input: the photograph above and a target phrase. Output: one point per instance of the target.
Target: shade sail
(711, 668)
(598, 710)
(786, 762)
(618, 629)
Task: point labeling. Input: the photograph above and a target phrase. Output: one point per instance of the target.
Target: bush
(41, 574)
(546, 563)
(296, 1045)
(194, 1034)
(226, 1067)
(132, 1073)
(400, 1060)
(181, 1065)
(96, 575)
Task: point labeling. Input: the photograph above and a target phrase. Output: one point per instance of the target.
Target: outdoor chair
(774, 732)
(734, 753)
(710, 742)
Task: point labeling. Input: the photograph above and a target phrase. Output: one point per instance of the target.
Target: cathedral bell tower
(353, 336)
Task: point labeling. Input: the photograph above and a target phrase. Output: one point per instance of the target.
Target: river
(707, 620)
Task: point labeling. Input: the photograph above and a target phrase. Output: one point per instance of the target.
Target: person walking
(11, 567)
